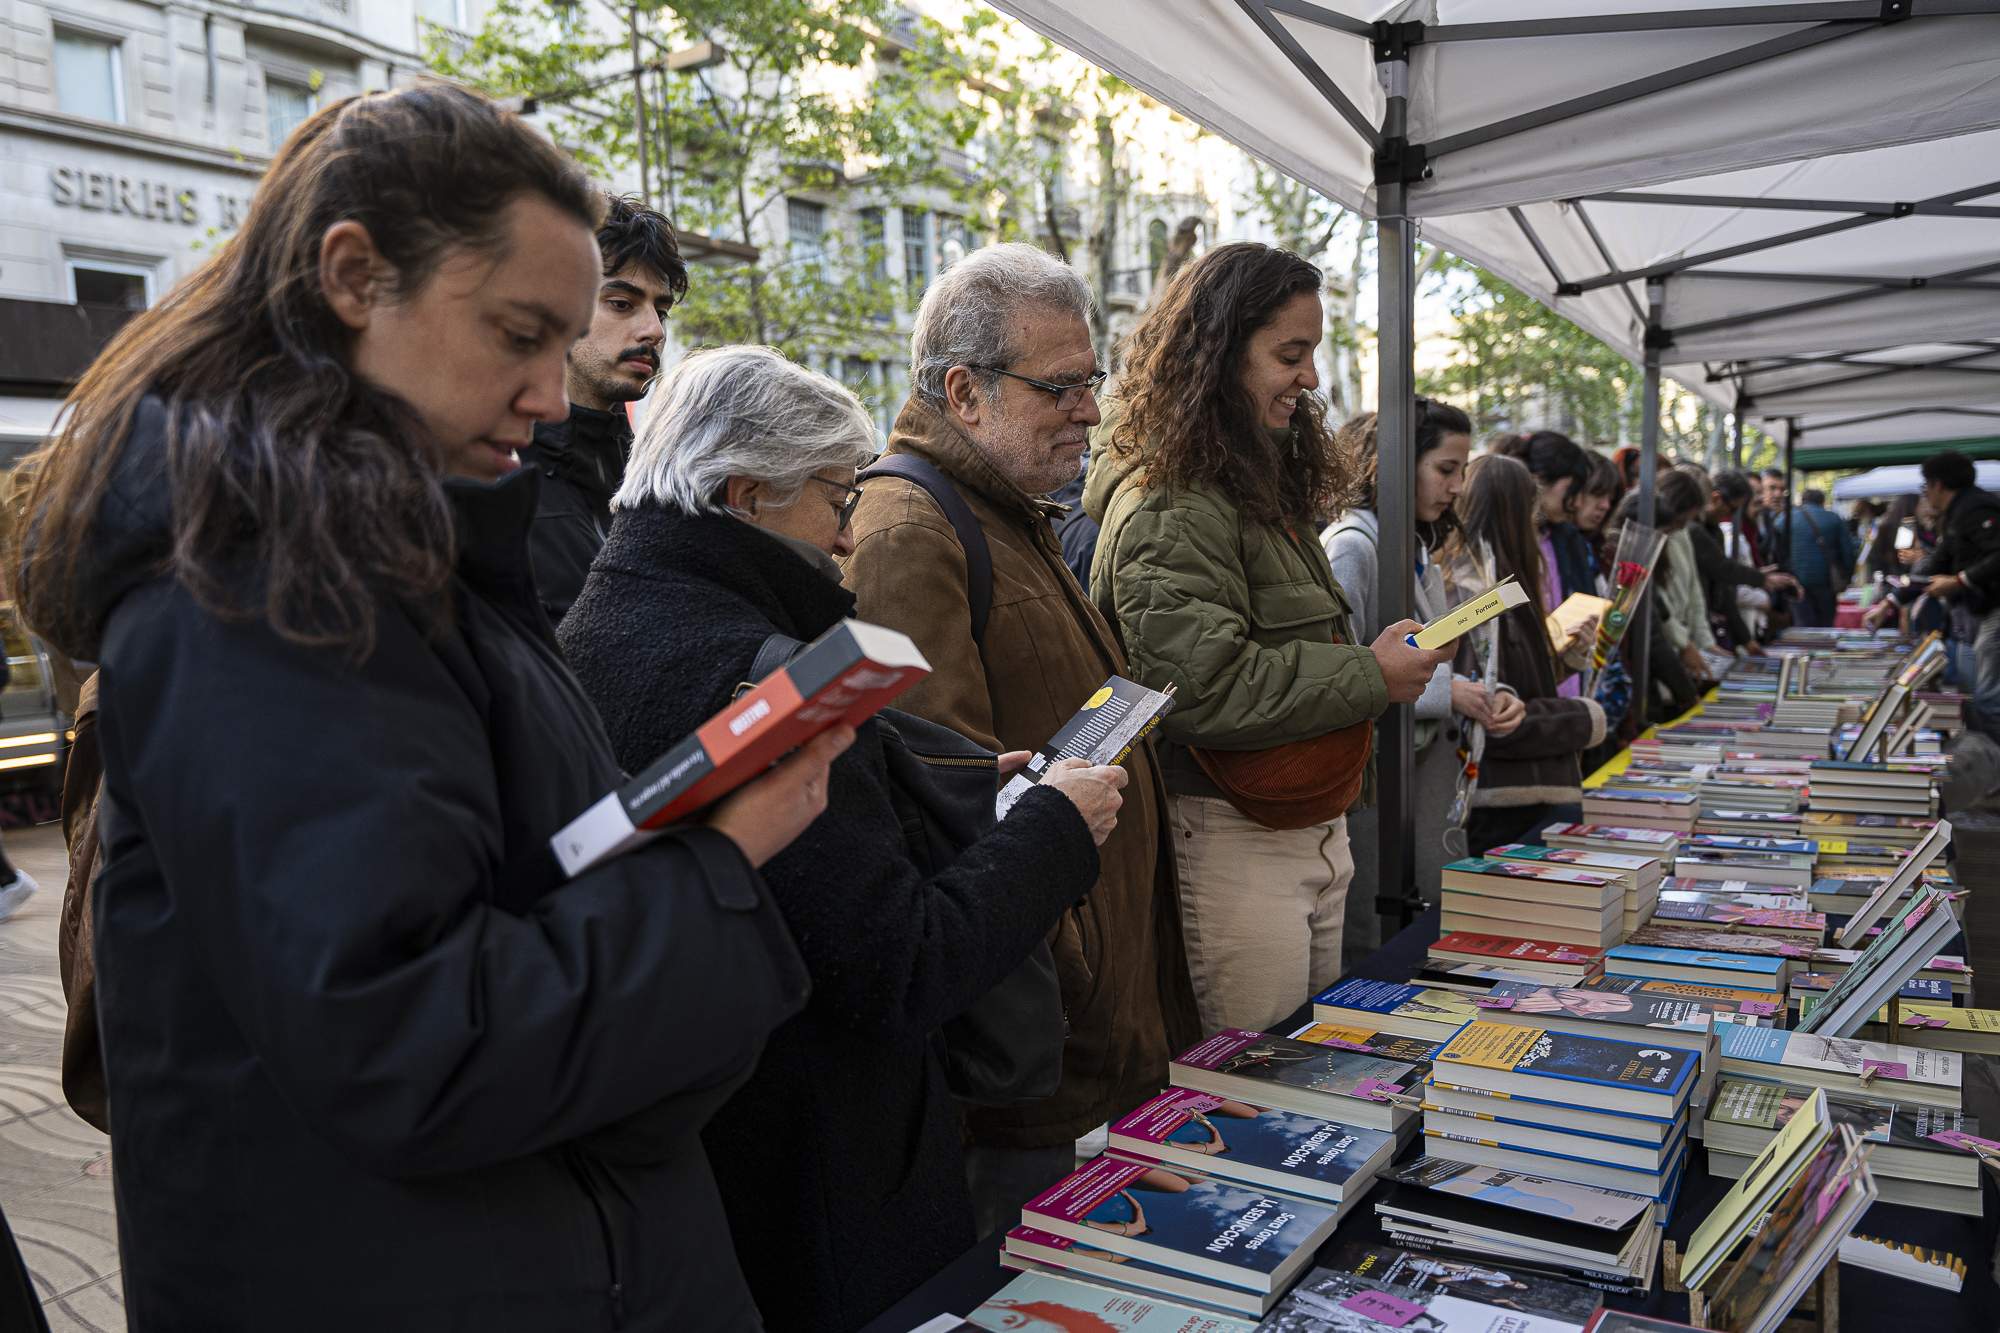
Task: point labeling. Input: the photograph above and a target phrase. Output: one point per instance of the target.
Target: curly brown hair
(1185, 414)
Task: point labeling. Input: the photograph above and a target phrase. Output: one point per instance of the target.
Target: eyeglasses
(846, 507)
(1067, 396)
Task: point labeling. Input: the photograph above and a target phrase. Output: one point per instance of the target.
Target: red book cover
(1520, 950)
(848, 674)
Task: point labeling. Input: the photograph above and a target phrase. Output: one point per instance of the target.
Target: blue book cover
(1568, 1058)
(1769, 968)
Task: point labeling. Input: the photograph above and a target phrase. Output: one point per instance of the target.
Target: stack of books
(1606, 1239)
(1660, 843)
(1475, 1298)
(1760, 974)
(1549, 902)
(1520, 959)
(1641, 876)
(1912, 1167)
(1641, 807)
(1054, 1300)
(1429, 1014)
(1347, 1087)
(1584, 1108)
(1199, 1236)
(1725, 858)
(1906, 945)
(1628, 1013)
(1847, 1068)
(1751, 823)
(1889, 830)
(1899, 788)
(1807, 928)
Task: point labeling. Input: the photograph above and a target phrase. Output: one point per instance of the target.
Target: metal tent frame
(1402, 163)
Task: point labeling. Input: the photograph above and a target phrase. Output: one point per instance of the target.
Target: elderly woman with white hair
(839, 1162)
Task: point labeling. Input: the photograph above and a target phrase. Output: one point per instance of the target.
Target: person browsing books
(370, 1057)
(1562, 472)
(1528, 777)
(1003, 395)
(1444, 439)
(1210, 492)
(582, 457)
(839, 1162)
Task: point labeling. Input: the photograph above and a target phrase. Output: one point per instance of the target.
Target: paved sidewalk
(55, 1171)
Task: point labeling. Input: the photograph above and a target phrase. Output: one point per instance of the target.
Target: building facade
(132, 136)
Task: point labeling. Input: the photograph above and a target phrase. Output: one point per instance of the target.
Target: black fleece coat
(372, 1062)
(581, 461)
(840, 1161)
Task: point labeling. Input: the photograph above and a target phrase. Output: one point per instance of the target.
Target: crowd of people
(383, 590)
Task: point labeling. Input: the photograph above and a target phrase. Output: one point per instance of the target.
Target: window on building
(916, 249)
(874, 233)
(954, 242)
(1156, 246)
(89, 80)
(446, 13)
(805, 227)
(103, 282)
(287, 103)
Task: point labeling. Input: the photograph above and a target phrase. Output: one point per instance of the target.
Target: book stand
(1818, 1311)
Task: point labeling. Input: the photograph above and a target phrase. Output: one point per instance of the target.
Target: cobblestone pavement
(55, 1171)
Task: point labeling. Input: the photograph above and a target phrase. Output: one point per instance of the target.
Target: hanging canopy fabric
(1883, 483)
(1809, 180)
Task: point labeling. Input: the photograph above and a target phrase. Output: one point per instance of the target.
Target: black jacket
(372, 1063)
(1970, 547)
(840, 1160)
(1720, 578)
(581, 461)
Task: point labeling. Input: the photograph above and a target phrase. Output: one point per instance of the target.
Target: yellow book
(1502, 596)
(1577, 609)
(1788, 1152)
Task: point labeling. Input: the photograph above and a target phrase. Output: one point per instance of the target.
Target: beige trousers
(1261, 910)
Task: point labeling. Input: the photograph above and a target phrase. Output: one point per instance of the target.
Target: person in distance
(839, 1161)
(1217, 476)
(372, 1061)
(582, 457)
(1528, 777)
(1002, 396)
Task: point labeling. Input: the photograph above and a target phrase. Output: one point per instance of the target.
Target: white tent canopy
(1903, 479)
(1744, 191)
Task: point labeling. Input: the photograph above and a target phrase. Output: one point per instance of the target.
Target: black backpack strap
(978, 557)
(773, 653)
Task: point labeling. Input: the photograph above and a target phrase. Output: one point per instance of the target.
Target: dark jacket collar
(923, 430)
(656, 542)
(490, 523)
(588, 449)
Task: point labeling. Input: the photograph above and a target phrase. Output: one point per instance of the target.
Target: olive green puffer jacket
(1245, 619)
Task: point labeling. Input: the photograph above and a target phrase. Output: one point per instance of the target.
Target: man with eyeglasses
(1004, 384)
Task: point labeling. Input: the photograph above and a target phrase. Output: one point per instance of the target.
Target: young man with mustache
(582, 459)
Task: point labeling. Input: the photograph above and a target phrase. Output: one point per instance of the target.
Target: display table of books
(1681, 1062)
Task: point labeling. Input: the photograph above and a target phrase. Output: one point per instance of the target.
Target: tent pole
(1395, 500)
(1736, 431)
(1791, 493)
(1649, 463)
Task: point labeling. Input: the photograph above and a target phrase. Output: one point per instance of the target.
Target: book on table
(1743, 1207)
(1674, 935)
(1031, 1250)
(1560, 963)
(1660, 1184)
(1113, 720)
(1841, 1065)
(1735, 971)
(1326, 1301)
(1530, 1294)
(1804, 927)
(1613, 838)
(1945, 1026)
(1474, 979)
(1729, 1004)
(1801, 1235)
(1204, 1226)
(1933, 1268)
(1607, 1233)
(1640, 874)
(1562, 904)
(1911, 940)
(1412, 1011)
(1282, 1150)
(1650, 1017)
(1058, 1301)
(845, 676)
(1364, 1037)
(1891, 890)
(1348, 1087)
(1597, 1071)
(1945, 967)
(1761, 897)
(1745, 1113)
(1793, 870)
(1609, 1320)
(1674, 811)
(1554, 1135)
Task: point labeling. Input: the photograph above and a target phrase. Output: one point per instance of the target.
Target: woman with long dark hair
(1562, 471)
(1218, 474)
(1528, 777)
(370, 1057)
(1454, 699)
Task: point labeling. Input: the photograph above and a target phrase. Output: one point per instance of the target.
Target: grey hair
(966, 315)
(741, 412)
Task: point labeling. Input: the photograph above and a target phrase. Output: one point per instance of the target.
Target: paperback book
(1103, 731)
(1411, 1011)
(1326, 1301)
(1535, 1062)
(1028, 1249)
(1348, 1087)
(1487, 1284)
(1846, 1067)
(1304, 1155)
(1056, 1302)
(1367, 1040)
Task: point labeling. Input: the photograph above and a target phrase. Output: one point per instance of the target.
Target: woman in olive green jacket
(1218, 472)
